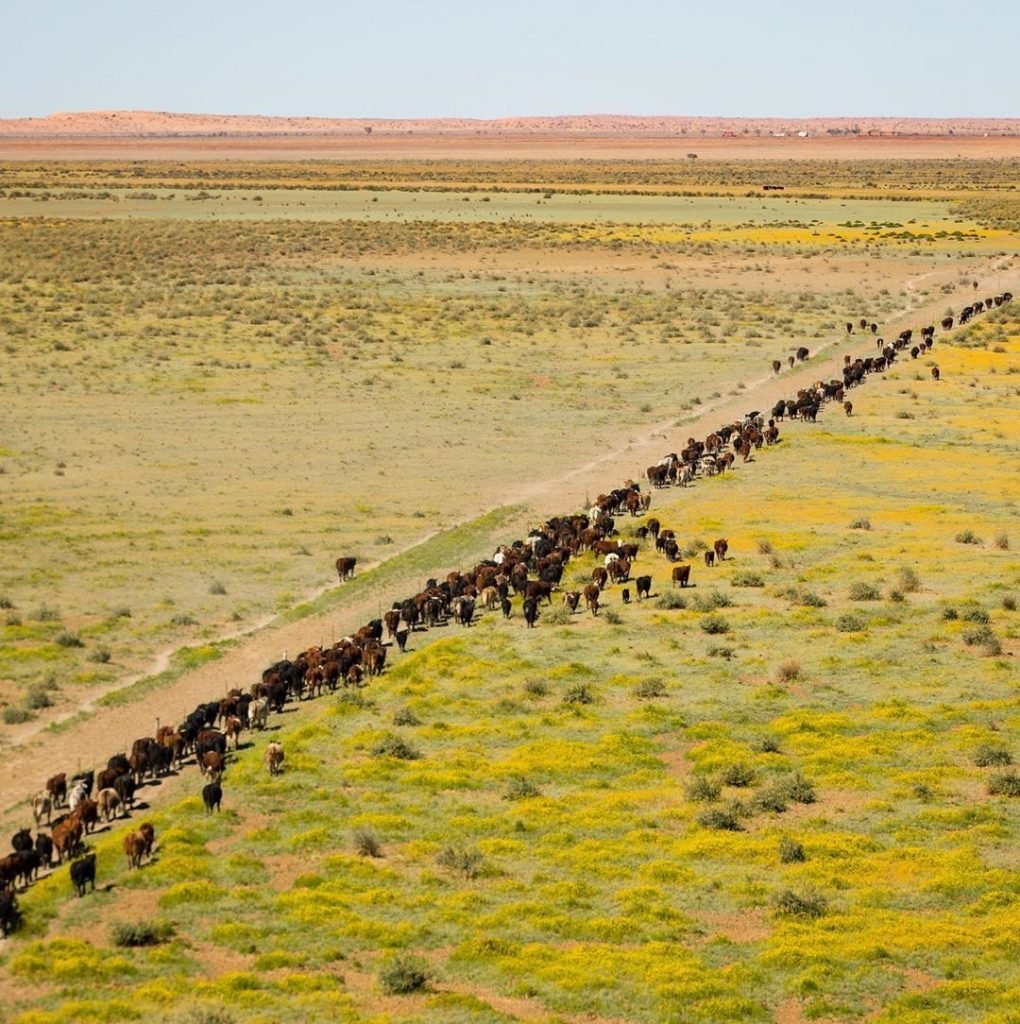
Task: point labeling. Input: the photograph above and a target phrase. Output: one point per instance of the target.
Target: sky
(472, 58)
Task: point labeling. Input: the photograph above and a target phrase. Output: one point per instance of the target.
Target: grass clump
(712, 601)
(770, 798)
(717, 651)
(44, 613)
(714, 625)
(101, 655)
(15, 715)
(1009, 603)
(131, 934)
(520, 788)
(992, 754)
(558, 616)
(65, 638)
(787, 671)
(669, 600)
(464, 861)
(908, 580)
(366, 843)
(723, 820)
(860, 591)
(38, 697)
(767, 745)
(216, 587)
(737, 774)
(648, 689)
(703, 789)
(1001, 541)
(790, 851)
(850, 623)
(613, 617)
(536, 688)
(798, 789)
(405, 716)
(579, 693)
(745, 578)
(861, 523)
(968, 537)
(392, 745)
(403, 973)
(793, 904)
(1004, 784)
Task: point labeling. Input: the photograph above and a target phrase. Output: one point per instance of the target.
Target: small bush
(850, 623)
(770, 798)
(991, 753)
(702, 789)
(786, 671)
(863, 523)
(37, 697)
(15, 716)
(791, 904)
(812, 600)
(13, 619)
(717, 818)
(183, 620)
(712, 601)
(65, 638)
(670, 600)
(466, 862)
(978, 615)
(366, 843)
(535, 688)
(101, 655)
(908, 580)
(737, 774)
(648, 689)
(123, 612)
(765, 547)
(217, 588)
(559, 616)
(790, 851)
(1001, 541)
(974, 636)
(46, 614)
(798, 789)
(864, 592)
(392, 745)
(519, 788)
(1004, 784)
(949, 614)
(717, 651)
(129, 934)
(1009, 603)
(745, 578)
(405, 716)
(402, 974)
(767, 745)
(968, 537)
(714, 625)
(579, 693)
(5, 602)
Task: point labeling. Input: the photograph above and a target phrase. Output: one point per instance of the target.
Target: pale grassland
(209, 397)
(602, 888)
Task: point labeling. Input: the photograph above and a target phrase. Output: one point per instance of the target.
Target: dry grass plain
(213, 389)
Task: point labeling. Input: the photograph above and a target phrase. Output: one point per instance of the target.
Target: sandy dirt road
(36, 754)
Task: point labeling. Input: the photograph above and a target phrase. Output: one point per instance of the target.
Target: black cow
(531, 611)
(10, 918)
(212, 794)
(22, 840)
(644, 586)
(83, 873)
(44, 847)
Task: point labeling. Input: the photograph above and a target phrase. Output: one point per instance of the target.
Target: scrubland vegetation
(786, 793)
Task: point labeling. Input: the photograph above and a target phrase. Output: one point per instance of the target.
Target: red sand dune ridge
(156, 124)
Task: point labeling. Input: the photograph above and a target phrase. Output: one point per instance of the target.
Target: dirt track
(28, 763)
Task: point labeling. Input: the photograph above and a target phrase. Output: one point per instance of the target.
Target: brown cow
(345, 568)
(109, 803)
(721, 547)
(212, 764)
(776, 366)
(272, 757)
(86, 814)
(591, 597)
(935, 373)
(599, 576)
(57, 788)
(148, 833)
(134, 848)
(710, 557)
(571, 599)
(66, 837)
(848, 408)
(681, 575)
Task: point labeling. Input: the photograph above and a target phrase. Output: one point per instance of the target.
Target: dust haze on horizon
(455, 59)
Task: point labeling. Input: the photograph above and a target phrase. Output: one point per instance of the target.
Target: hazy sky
(472, 58)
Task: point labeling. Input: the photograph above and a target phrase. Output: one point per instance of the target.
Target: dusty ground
(34, 754)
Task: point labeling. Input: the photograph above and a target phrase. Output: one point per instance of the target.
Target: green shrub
(909, 581)
(702, 789)
(745, 578)
(405, 716)
(977, 635)
(5, 602)
(403, 973)
(864, 592)
(968, 537)
(612, 616)
(765, 547)
(737, 774)
(579, 693)
(1001, 541)
(128, 934)
(992, 753)
(791, 904)
(15, 716)
(862, 523)
(648, 689)
(558, 616)
(950, 614)
(790, 851)
(712, 601)
(716, 651)
(1009, 603)
(770, 798)
(714, 625)
(670, 600)
(850, 623)
(65, 638)
(100, 655)
(767, 745)
(46, 614)
(798, 789)
(535, 688)
(464, 861)
(720, 819)
(366, 843)
(1004, 784)
(216, 587)
(391, 745)
(519, 788)
(183, 620)
(812, 600)
(978, 615)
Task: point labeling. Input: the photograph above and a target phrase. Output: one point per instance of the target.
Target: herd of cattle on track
(531, 569)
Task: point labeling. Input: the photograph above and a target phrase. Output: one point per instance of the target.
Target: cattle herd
(530, 569)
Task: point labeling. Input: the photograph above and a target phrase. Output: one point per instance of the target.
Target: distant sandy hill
(154, 124)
